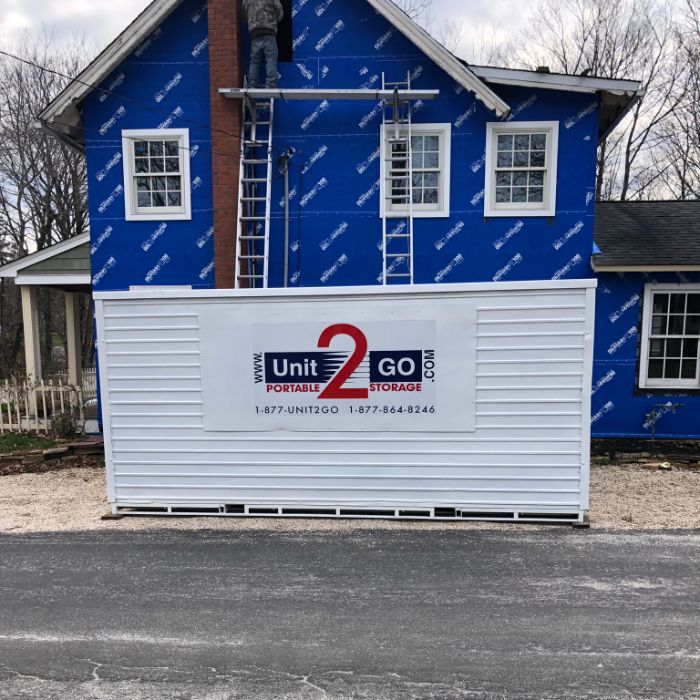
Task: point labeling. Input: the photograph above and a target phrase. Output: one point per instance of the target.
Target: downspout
(283, 164)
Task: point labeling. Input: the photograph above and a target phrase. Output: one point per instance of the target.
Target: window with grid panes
(521, 167)
(672, 337)
(157, 174)
(428, 170)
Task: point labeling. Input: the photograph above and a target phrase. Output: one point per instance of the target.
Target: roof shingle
(647, 234)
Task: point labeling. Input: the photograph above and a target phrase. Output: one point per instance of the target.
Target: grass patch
(16, 442)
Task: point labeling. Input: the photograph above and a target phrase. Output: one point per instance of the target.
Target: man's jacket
(263, 16)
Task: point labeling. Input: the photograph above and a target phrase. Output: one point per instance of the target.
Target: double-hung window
(156, 174)
(428, 171)
(521, 169)
(670, 337)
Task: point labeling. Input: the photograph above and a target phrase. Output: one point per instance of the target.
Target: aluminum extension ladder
(397, 231)
(253, 230)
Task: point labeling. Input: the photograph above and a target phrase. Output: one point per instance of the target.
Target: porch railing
(31, 406)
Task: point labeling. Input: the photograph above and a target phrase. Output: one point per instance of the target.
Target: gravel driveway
(622, 498)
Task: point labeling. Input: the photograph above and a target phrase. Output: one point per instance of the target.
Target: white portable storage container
(436, 401)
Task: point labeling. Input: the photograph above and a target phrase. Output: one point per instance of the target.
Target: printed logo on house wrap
(345, 368)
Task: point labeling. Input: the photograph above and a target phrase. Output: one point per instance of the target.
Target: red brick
(225, 70)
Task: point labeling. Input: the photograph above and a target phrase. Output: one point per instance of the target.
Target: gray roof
(647, 235)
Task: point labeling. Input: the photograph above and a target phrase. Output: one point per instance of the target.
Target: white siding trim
(49, 279)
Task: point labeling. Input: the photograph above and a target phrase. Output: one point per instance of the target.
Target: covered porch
(64, 268)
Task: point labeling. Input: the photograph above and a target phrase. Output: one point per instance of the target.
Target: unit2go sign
(341, 376)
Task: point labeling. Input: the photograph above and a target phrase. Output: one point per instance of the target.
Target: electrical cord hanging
(105, 91)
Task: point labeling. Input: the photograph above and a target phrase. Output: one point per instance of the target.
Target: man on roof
(263, 17)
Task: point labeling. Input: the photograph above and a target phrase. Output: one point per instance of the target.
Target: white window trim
(182, 213)
(443, 211)
(549, 207)
(644, 381)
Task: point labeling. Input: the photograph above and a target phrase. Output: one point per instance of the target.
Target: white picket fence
(30, 406)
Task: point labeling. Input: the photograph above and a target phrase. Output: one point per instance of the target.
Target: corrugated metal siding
(529, 451)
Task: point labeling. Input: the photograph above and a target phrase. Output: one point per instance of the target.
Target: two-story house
(382, 159)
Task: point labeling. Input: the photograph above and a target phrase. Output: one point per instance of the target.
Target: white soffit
(556, 81)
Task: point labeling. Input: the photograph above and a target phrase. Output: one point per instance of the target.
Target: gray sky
(102, 20)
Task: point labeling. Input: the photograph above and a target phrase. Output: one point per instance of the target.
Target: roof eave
(87, 80)
(621, 114)
(619, 95)
(11, 269)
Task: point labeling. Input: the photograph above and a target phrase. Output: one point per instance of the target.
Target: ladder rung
(253, 199)
(398, 274)
(254, 179)
(398, 235)
(251, 238)
(252, 218)
(257, 123)
(254, 161)
(251, 277)
(254, 144)
(398, 255)
(251, 257)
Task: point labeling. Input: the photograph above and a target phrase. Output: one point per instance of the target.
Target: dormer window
(156, 174)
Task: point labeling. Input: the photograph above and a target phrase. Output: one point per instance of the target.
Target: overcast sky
(102, 20)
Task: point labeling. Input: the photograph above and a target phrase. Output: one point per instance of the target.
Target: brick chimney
(225, 70)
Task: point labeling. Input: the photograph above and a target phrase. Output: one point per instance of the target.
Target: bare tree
(679, 143)
(416, 9)
(42, 181)
(633, 39)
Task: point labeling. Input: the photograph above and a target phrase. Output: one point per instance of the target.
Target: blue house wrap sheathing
(335, 168)
(336, 174)
(647, 248)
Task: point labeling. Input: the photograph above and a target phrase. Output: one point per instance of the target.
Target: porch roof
(64, 265)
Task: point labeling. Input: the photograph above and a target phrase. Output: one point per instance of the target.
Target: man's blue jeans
(263, 51)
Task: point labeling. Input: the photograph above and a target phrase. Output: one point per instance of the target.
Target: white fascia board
(645, 268)
(11, 269)
(83, 279)
(556, 81)
(111, 57)
(440, 55)
(274, 294)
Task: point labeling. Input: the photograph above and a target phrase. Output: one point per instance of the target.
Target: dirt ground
(622, 498)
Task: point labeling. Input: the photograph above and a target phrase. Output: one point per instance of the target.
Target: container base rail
(350, 512)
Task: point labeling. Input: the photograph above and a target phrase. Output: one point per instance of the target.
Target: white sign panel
(351, 374)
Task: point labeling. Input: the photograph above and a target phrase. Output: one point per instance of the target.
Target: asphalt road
(375, 615)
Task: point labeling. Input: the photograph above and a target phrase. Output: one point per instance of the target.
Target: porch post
(73, 344)
(32, 346)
